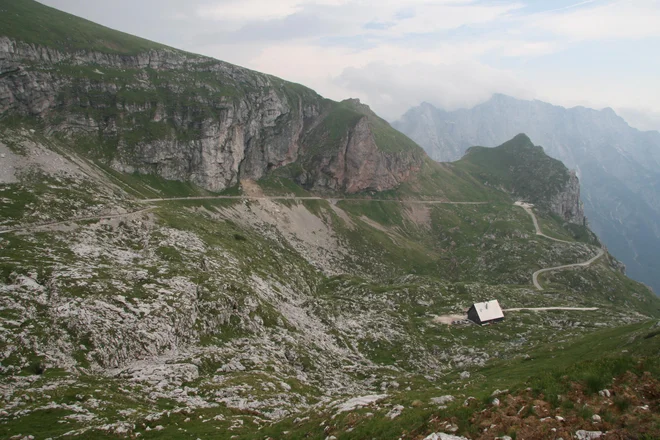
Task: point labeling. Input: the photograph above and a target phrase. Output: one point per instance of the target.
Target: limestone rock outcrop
(192, 118)
(567, 203)
(360, 165)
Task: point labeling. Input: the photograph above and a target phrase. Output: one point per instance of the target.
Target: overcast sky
(394, 54)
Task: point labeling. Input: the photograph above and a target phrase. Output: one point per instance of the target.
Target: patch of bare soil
(251, 188)
(390, 233)
(419, 214)
(344, 216)
(449, 319)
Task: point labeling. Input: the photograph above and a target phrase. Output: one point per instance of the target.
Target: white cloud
(635, 98)
(434, 17)
(247, 10)
(641, 118)
(393, 89)
(397, 53)
(522, 48)
(308, 63)
(616, 20)
(402, 16)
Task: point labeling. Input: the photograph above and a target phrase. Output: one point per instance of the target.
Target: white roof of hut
(489, 310)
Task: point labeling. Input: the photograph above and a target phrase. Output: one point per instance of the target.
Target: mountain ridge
(237, 124)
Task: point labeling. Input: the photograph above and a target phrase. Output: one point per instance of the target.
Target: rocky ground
(628, 409)
(238, 315)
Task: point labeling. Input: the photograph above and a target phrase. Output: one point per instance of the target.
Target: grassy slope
(327, 139)
(332, 133)
(464, 225)
(32, 22)
(336, 294)
(591, 361)
(387, 138)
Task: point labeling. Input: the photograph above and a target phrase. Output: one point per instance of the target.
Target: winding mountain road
(528, 209)
(535, 275)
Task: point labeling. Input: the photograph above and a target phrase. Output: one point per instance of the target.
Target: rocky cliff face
(190, 118)
(359, 165)
(567, 203)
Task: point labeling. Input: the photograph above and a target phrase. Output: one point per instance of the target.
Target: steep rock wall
(188, 118)
(567, 203)
(359, 165)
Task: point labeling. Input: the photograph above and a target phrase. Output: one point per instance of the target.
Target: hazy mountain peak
(501, 97)
(519, 140)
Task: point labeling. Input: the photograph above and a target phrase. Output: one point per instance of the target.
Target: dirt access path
(528, 208)
(329, 199)
(253, 192)
(544, 309)
(453, 318)
(535, 276)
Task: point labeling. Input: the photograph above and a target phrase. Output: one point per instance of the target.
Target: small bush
(528, 412)
(463, 418)
(652, 334)
(585, 412)
(621, 403)
(567, 404)
(596, 382)
(37, 368)
(169, 253)
(607, 416)
(239, 237)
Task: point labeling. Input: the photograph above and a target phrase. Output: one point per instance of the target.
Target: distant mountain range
(619, 166)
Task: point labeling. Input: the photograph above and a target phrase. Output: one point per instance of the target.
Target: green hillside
(387, 138)
(338, 283)
(518, 167)
(32, 22)
(345, 115)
